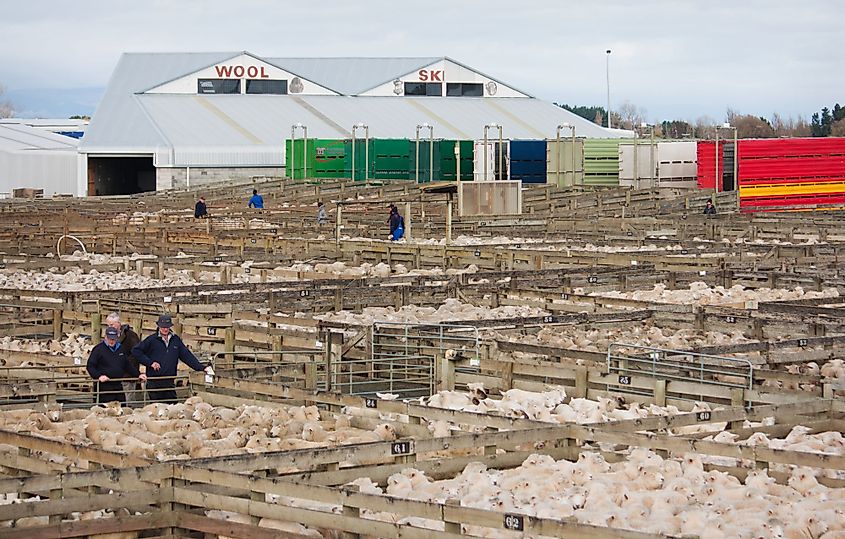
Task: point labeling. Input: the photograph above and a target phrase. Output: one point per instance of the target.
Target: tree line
(828, 122)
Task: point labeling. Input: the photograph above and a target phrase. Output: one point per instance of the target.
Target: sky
(674, 59)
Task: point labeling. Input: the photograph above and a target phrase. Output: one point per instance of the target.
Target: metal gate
(629, 360)
(403, 358)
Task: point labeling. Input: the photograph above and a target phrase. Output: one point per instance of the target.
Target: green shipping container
(601, 161)
(448, 163)
(322, 158)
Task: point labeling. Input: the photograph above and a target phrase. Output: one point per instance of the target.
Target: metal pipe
(366, 129)
(608, 88)
(559, 152)
(716, 174)
(293, 129)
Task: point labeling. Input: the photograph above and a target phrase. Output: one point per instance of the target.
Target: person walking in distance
(201, 210)
(257, 201)
(322, 218)
(108, 362)
(709, 209)
(161, 353)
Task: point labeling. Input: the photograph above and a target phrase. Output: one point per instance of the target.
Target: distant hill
(54, 102)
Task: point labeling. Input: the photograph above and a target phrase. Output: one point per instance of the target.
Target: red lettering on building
(239, 71)
(431, 75)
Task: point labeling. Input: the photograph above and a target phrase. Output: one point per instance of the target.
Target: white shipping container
(492, 169)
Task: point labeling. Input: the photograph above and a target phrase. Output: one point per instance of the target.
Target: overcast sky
(676, 59)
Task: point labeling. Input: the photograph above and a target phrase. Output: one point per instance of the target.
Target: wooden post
(229, 344)
(452, 527)
(350, 511)
(581, 383)
(96, 325)
(660, 392)
(337, 226)
(57, 324)
(408, 221)
(449, 220)
(737, 401)
(446, 373)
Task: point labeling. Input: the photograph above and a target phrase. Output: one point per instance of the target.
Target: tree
(628, 116)
(7, 110)
(748, 126)
(593, 114)
(838, 128)
(705, 127)
(676, 129)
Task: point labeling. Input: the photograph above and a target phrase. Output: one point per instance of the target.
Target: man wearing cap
(127, 339)
(161, 353)
(109, 361)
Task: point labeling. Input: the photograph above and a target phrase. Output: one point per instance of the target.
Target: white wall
(55, 171)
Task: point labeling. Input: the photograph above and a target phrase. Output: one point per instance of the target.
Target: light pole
(559, 153)
(293, 129)
(727, 125)
(430, 152)
(501, 149)
(608, 87)
(366, 129)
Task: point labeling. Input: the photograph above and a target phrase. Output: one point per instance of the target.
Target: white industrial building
(179, 119)
(37, 158)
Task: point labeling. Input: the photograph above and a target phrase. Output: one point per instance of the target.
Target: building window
(464, 89)
(424, 88)
(219, 86)
(266, 86)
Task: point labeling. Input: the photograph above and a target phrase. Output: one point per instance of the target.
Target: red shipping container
(706, 157)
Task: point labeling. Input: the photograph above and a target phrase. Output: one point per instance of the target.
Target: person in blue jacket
(257, 201)
(161, 353)
(108, 363)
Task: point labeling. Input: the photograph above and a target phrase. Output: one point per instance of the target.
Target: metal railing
(76, 390)
(628, 360)
(403, 357)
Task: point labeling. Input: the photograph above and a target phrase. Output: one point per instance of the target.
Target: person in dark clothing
(127, 339)
(397, 224)
(107, 362)
(161, 353)
(201, 210)
(257, 201)
(322, 218)
(709, 209)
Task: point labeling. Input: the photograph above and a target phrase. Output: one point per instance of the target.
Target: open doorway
(120, 175)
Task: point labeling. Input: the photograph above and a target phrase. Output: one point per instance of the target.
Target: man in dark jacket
(128, 339)
(161, 353)
(109, 361)
(201, 210)
(397, 224)
(709, 209)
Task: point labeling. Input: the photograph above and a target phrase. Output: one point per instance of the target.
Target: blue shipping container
(528, 160)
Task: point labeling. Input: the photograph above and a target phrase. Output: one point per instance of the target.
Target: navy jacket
(152, 350)
(112, 363)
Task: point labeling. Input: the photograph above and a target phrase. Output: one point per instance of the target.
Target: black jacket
(200, 209)
(112, 363)
(128, 340)
(152, 350)
(396, 221)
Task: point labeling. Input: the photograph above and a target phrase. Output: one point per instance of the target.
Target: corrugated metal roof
(351, 76)
(18, 138)
(177, 124)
